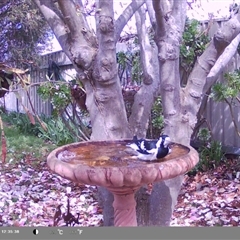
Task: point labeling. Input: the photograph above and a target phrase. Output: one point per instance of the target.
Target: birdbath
(113, 165)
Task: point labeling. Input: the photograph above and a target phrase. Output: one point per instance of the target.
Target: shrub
(210, 152)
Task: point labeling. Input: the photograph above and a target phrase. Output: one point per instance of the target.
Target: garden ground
(31, 195)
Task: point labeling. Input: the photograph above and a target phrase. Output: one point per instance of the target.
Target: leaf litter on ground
(31, 195)
(210, 198)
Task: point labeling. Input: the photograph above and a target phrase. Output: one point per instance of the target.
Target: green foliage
(136, 68)
(204, 135)
(129, 62)
(157, 114)
(21, 123)
(229, 89)
(193, 43)
(67, 118)
(22, 145)
(210, 152)
(157, 121)
(56, 132)
(22, 28)
(123, 59)
(229, 93)
(210, 156)
(58, 93)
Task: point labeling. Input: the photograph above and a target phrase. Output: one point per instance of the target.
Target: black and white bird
(150, 150)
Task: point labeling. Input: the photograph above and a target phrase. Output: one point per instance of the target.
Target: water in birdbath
(114, 153)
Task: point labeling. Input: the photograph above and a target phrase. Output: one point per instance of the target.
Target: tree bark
(108, 113)
(170, 26)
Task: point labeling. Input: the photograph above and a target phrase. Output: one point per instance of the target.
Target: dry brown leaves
(211, 198)
(31, 196)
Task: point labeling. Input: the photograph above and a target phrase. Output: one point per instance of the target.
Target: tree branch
(162, 11)
(55, 20)
(74, 18)
(125, 16)
(106, 68)
(221, 62)
(78, 43)
(151, 14)
(145, 47)
(180, 7)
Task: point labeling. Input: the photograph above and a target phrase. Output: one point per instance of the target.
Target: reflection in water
(110, 154)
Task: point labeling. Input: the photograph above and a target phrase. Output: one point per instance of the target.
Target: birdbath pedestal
(113, 165)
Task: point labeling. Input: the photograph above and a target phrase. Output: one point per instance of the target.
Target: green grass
(22, 146)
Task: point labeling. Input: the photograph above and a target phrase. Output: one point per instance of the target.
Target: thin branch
(33, 85)
(82, 128)
(145, 47)
(69, 128)
(238, 99)
(141, 109)
(84, 137)
(81, 8)
(125, 16)
(233, 119)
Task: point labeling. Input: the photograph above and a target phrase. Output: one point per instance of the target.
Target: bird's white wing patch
(159, 142)
(152, 151)
(142, 145)
(147, 157)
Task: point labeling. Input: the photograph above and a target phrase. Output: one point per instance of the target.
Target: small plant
(210, 152)
(56, 132)
(204, 135)
(21, 122)
(193, 44)
(228, 92)
(58, 93)
(157, 120)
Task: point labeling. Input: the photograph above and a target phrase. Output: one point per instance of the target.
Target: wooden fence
(217, 115)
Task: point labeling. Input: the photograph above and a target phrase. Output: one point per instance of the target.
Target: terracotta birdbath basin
(113, 165)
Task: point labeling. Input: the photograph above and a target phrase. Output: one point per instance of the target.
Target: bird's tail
(135, 139)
